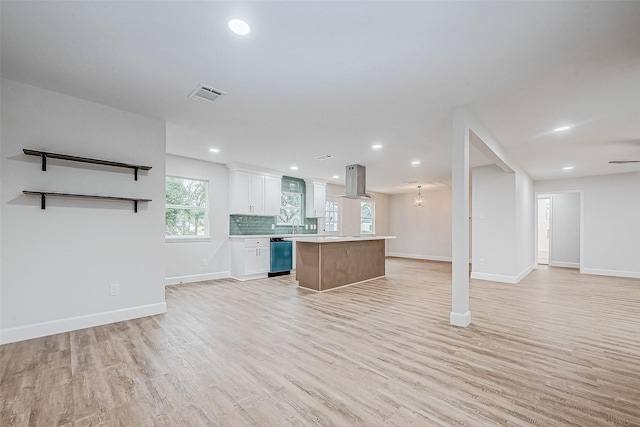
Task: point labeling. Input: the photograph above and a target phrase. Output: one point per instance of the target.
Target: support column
(460, 314)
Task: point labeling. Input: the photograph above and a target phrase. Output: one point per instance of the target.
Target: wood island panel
(323, 266)
(308, 265)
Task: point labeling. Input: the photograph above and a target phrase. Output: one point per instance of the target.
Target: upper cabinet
(272, 194)
(316, 198)
(253, 192)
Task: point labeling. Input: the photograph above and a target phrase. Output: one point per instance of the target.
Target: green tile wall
(249, 224)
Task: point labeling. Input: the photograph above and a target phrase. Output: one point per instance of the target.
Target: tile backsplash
(248, 225)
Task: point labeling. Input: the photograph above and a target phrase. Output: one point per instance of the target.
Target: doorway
(544, 229)
(559, 224)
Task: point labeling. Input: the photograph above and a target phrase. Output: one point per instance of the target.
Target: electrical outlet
(481, 261)
(306, 226)
(273, 226)
(114, 290)
(204, 261)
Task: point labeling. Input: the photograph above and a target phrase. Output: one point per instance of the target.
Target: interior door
(544, 229)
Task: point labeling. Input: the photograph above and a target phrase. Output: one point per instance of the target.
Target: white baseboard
(502, 278)
(53, 327)
(615, 273)
(524, 272)
(460, 319)
(564, 264)
(416, 256)
(493, 277)
(178, 280)
(250, 277)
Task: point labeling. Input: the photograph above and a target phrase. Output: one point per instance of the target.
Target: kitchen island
(328, 262)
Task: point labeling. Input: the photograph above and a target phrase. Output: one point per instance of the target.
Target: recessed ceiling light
(239, 27)
(294, 168)
(562, 128)
(415, 162)
(568, 168)
(336, 176)
(214, 150)
(376, 146)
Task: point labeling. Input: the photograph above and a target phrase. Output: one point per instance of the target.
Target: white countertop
(333, 239)
(311, 238)
(269, 236)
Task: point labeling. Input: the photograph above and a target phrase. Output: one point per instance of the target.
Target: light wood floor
(557, 349)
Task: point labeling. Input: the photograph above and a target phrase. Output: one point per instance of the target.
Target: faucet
(294, 225)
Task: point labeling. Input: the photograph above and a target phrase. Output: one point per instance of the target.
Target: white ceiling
(317, 78)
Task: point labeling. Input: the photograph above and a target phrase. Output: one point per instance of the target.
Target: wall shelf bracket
(44, 155)
(43, 197)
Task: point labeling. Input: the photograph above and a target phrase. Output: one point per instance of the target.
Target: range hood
(356, 182)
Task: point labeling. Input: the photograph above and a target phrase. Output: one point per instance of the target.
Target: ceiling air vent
(324, 157)
(206, 93)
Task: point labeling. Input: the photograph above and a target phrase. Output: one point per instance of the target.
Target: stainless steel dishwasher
(281, 257)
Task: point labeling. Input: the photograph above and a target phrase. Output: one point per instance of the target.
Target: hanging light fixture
(418, 201)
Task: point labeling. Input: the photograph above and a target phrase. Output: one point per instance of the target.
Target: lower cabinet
(250, 258)
(256, 260)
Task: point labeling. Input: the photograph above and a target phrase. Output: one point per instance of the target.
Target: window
(186, 213)
(290, 208)
(367, 217)
(331, 218)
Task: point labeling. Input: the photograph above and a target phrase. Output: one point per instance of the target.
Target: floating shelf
(43, 197)
(45, 154)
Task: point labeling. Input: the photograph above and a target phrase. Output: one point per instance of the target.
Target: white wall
(525, 224)
(508, 230)
(503, 224)
(494, 221)
(350, 212)
(424, 232)
(1, 240)
(611, 221)
(565, 230)
(183, 258)
(58, 263)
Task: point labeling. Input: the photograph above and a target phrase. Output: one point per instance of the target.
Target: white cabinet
(246, 192)
(254, 193)
(272, 191)
(256, 260)
(316, 198)
(250, 258)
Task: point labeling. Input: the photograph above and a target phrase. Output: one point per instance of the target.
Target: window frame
(207, 227)
(300, 218)
(338, 212)
(373, 218)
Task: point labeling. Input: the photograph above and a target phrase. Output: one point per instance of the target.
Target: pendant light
(418, 201)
